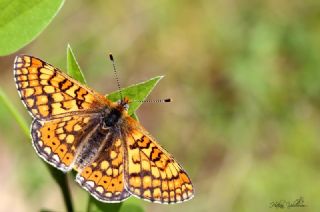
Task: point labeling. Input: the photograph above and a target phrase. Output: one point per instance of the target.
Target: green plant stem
(89, 203)
(64, 187)
(22, 123)
(62, 180)
(95, 205)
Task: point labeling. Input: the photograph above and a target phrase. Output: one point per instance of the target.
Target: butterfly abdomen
(93, 143)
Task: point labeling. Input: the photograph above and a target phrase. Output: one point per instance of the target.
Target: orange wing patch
(48, 93)
(103, 178)
(57, 141)
(152, 174)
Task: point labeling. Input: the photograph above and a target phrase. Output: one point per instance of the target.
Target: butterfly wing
(58, 140)
(49, 93)
(103, 178)
(151, 173)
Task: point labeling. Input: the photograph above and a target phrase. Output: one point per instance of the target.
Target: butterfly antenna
(116, 75)
(154, 100)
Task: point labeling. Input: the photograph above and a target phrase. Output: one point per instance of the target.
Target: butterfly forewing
(48, 93)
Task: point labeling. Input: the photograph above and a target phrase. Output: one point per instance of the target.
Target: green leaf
(21, 21)
(46, 210)
(136, 93)
(97, 206)
(73, 67)
(132, 205)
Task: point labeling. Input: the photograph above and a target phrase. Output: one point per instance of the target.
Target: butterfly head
(123, 104)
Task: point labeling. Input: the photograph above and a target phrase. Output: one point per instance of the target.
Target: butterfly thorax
(111, 119)
(113, 115)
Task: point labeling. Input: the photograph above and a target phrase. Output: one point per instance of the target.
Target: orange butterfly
(77, 128)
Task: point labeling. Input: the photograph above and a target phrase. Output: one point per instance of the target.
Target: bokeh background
(245, 80)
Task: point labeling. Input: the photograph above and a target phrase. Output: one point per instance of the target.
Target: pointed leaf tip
(73, 67)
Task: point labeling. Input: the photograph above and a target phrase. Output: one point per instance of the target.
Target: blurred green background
(245, 80)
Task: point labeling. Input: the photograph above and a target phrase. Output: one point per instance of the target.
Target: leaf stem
(62, 180)
(21, 121)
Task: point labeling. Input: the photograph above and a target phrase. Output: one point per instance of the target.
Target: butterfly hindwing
(47, 92)
(151, 173)
(103, 178)
(57, 141)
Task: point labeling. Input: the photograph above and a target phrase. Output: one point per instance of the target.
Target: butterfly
(74, 127)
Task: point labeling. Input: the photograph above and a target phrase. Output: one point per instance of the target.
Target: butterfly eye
(126, 106)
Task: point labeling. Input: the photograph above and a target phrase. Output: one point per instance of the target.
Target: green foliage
(73, 67)
(131, 204)
(21, 21)
(136, 93)
(4, 101)
(97, 206)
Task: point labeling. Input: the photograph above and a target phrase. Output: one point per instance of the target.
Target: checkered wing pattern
(49, 93)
